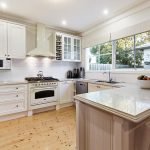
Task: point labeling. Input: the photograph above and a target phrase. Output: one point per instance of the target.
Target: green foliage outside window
(103, 53)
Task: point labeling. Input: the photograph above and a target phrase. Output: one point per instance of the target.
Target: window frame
(120, 70)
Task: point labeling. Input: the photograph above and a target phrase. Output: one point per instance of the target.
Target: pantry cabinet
(97, 87)
(67, 47)
(12, 40)
(13, 99)
(66, 92)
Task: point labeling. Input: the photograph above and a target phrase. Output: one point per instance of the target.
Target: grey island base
(101, 127)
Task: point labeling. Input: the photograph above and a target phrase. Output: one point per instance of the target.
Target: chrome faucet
(109, 76)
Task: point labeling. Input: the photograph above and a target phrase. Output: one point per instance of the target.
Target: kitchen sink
(111, 82)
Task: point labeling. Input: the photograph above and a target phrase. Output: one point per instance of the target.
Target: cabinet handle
(17, 106)
(16, 95)
(98, 87)
(16, 88)
(44, 99)
(5, 55)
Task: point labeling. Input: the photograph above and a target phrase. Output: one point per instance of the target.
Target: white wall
(31, 65)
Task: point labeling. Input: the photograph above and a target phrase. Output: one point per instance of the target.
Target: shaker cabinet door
(16, 41)
(66, 92)
(3, 39)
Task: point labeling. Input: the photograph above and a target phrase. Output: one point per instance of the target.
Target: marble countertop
(129, 102)
(94, 81)
(12, 82)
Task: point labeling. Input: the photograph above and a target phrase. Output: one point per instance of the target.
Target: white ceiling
(79, 14)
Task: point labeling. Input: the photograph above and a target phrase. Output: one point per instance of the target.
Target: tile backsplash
(31, 65)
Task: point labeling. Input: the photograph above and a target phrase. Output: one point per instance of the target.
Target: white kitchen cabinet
(3, 39)
(16, 41)
(97, 87)
(66, 92)
(67, 47)
(71, 48)
(12, 40)
(13, 99)
(77, 49)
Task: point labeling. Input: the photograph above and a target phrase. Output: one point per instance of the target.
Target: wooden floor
(53, 130)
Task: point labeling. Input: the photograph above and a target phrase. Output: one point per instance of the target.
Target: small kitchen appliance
(5, 63)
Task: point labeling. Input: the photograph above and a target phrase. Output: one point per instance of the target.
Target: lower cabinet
(66, 92)
(13, 99)
(97, 87)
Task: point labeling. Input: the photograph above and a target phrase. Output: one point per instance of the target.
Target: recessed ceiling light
(64, 22)
(3, 5)
(105, 12)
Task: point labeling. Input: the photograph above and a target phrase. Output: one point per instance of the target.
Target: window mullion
(113, 54)
(134, 48)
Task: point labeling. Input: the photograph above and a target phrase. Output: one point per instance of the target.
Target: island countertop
(129, 102)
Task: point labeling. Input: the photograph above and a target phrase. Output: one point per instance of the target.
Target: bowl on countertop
(144, 82)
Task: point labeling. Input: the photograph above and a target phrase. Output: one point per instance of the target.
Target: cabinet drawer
(12, 108)
(97, 87)
(11, 89)
(11, 97)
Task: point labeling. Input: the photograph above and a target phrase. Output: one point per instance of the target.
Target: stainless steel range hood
(44, 41)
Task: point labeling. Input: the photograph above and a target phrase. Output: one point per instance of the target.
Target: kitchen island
(115, 119)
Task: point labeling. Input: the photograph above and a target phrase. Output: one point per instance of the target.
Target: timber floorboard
(52, 130)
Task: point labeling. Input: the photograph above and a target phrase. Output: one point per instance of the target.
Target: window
(125, 53)
(129, 52)
(100, 57)
(142, 46)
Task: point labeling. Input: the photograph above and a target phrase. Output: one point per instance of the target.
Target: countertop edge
(135, 119)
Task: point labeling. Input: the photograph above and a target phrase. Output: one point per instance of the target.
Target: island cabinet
(100, 130)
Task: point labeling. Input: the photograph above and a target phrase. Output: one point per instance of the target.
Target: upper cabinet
(68, 47)
(16, 41)
(12, 40)
(3, 39)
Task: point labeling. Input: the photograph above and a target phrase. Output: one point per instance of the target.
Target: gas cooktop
(41, 79)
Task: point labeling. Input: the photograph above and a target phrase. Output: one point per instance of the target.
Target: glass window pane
(142, 39)
(65, 40)
(125, 44)
(125, 59)
(69, 41)
(139, 59)
(106, 48)
(105, 59)
(100, 57)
